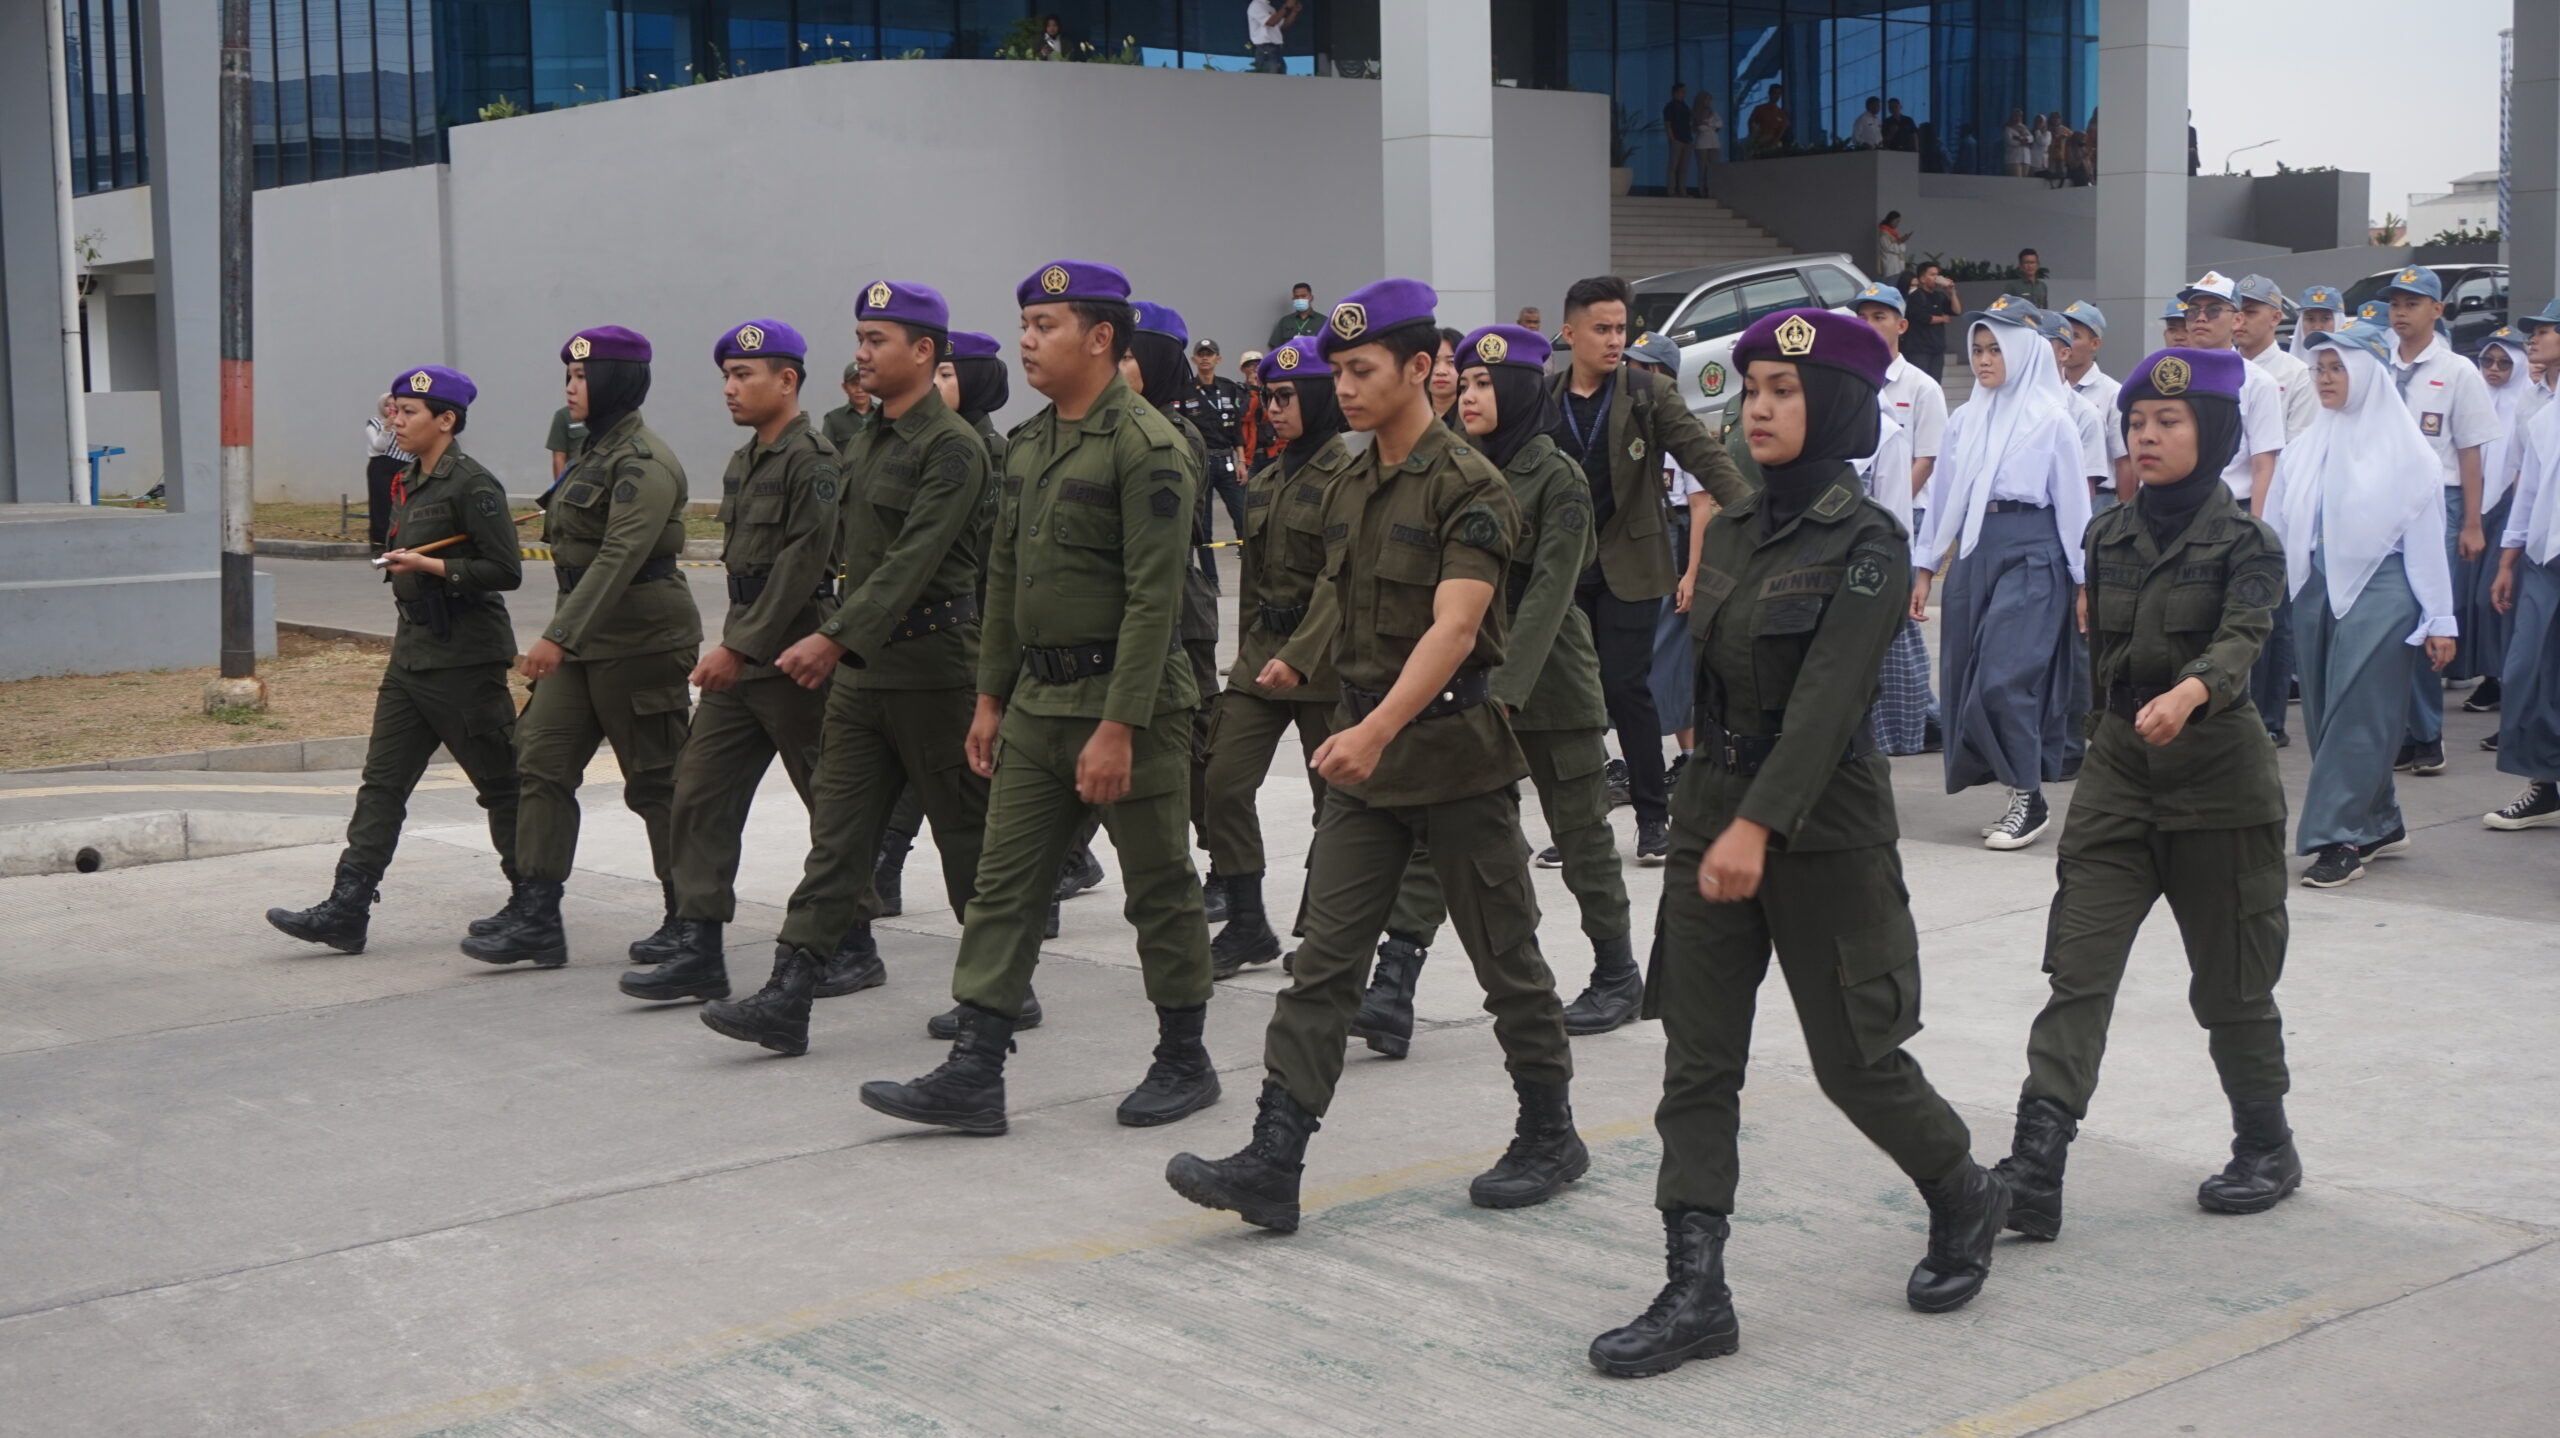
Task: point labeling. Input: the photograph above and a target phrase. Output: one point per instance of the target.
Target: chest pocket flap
(1408, 576)
(2193, 607)
(582, 494)
(1086, 514)
(1794, 615)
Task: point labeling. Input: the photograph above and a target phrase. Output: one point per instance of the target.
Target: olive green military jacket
(841, 424)
(1283, 556)
(914, 535)
(994, 442)
(779, 507)
(1550, 674)
(1093, 530)
(1790, 630)
(1390, 537)
(1199, 623)
(456, 497)
(2200, 611)
(1647, 420)
(620, 506)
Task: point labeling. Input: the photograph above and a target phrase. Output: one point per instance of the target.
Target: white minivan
(1705, 310)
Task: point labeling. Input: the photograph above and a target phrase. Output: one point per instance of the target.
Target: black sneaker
(1548, 858)
(2279, 738)
(2337, 866)
(2395, 842)
(1933, 738)
(1653, 841)
(2538, 805)
(2483, 700)
(2407, 756)
(1620, 794)
(2427, 758)
(1671, 776)
(2026, 819)
(2490, 743)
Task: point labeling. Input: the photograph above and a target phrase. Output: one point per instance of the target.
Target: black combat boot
(535, 935)
(1385, 1019)
(1049, 930)
(2263, 1168)
(1215, 904)
(1615, 994)
(507, 912)
(660, 946)
(945, 1026)
(1247, 938)
(338, 920)
(888, 872)
(1545, 1152)
(1967, 1209)
(1181, 1081)
(967, 1091)
(854, 966)
(1260, 1182)
(777, 1015)
(1080, 872)
(697, 971)
(2033, 1170)
(1692, 1317)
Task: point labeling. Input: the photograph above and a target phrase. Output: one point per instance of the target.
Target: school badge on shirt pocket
(2431, 425)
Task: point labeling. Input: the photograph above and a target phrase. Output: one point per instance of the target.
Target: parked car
(1705, 310)
(2475, 301)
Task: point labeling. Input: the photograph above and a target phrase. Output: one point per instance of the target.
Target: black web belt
(2126, 700)
(933, 618)
(1744, 753)
(658, 568)
(1464, 692)
(1280, 620)
(748, 588)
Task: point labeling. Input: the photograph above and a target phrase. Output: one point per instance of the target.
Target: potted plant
(1627, 126)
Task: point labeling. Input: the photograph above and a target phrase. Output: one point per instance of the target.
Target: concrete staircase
(1649, 236)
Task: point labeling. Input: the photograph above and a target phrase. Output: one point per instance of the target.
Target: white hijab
(2301, 346)
(2363, 477)
(2025, 429)
(2497, 457)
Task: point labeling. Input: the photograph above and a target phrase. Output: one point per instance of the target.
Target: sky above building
(2407, 93)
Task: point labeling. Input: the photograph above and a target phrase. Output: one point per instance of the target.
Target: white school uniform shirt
(2451, 402)
(2261, 430)
(2535, 399)
(2100, 388)
(2093, 436)
(2301, 400)
(2534, 524)
(1891, 461)
(1919, 404)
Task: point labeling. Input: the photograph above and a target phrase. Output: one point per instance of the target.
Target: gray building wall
(35, 424)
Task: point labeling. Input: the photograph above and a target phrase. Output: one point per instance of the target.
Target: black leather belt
(658, 568)
(1464, 692)
(933, 618)
(2126, 700)
(748, 588)
(1283, 621)
(2013, 506)
(1067, 663)
(1744, 753)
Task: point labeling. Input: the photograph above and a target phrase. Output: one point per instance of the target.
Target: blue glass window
(913, 27)
(836, 30)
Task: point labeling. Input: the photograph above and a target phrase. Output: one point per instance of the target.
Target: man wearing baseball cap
(1215, 406)
(2212, 323)
(2316, 311)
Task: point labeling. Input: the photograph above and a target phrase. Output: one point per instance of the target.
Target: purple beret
(969, 344)
(904, 303)
(1155, 319)
(760, 339)
(1824, 337)
(1504, 344)
(1372, 310)
(434, 381)
(1061, 280)
(607, 342)
(2178, 373)
(1298, 359)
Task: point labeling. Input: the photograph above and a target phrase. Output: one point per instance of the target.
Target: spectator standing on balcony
(1053, 41)
(2058, 153)
(1867, 131)
(1708, 126)
(1301, 319)
(1680, 137)
(1264, 24)
(2019, 144)
(1933, 307)
(1770, 124)
(1893, 248)
(2040, 145)
(2031, 283)
(1901, 132)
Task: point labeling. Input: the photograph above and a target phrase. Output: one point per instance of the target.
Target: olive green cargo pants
(469, 711)
(639, 705)
(1569, 768)
(737, 733)
(882, 744)
(1244, 731)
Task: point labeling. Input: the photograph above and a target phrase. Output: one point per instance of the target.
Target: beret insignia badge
(1350, 320)
(1795, 337)
(581, 347)
(877, 297)
(750, 338)
(1287, 359)
(421, 382)
(1053, 280)
(2171, 376)
(1492, 348)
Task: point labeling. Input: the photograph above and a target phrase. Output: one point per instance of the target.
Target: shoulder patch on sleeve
(1866, 576)
(1165, 502)
(1575, 517)
(823, 484)
(1478, 528)
(2256, 587)
(626, 492)
(487, 504)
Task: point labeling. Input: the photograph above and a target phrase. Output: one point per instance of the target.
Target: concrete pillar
(2142, 171)
(182, 69)
(35, 419)
(2533, 197)
(1436, 131)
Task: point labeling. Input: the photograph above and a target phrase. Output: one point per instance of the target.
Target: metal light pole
(239, 685)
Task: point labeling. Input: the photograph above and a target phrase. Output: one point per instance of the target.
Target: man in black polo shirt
(1215, 406)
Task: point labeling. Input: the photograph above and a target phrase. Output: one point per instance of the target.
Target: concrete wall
(35, 423)
(682, 213)
(128, 420)
(94, 591)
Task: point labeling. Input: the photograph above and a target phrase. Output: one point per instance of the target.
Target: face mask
(1300, 305)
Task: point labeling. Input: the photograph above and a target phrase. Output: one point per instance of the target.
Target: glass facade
(347, 87)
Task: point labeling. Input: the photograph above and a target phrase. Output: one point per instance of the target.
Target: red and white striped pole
(239, 685)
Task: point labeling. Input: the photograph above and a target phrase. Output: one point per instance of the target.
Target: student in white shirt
(2504, 367)
(2080, 371)
(2527, 590)
(1905, 714)
(2012, 509)
(2254, 335)
(2315, 313)
(2213, 316)
(2456, 418)
(2359, 513)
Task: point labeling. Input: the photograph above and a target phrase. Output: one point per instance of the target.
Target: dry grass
(316, 689)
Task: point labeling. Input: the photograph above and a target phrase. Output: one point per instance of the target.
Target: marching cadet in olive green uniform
(1283, 556)
(1783, 834)
(1549, 684)
(1418, 533)
(840, 424)
(612, 663)
(1082, 702)
(447, 680)
(778, 511)
(2178, 796)
(902, 650)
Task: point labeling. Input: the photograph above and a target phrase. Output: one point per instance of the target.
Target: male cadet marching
(778, 507)
(1082, 685)
(447, 680)
(1418, 534)
(1548, 685)
(611, 665)
(900, 650)
(1283, 554)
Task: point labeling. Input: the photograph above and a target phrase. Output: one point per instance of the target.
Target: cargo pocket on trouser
(1574, 796)
(660, 719)
(2258, 933)
(1880, 986)
(1159, 756)
(1508, 906)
